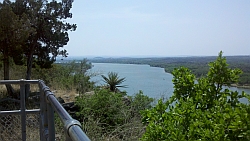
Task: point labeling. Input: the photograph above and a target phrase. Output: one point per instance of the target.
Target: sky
(160, 28)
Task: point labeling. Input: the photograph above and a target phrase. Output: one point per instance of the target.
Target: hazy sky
(160, 27)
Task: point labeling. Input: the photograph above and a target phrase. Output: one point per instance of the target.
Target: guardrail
(48, 105)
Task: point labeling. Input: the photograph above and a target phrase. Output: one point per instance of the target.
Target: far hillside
(198, 65)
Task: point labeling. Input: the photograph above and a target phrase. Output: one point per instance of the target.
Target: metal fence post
(44, 114)
(22, 104)
(41, 113)
(51, 121)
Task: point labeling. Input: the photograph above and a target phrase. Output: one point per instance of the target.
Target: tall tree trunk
(28, 75)
(6, 65)
(28, 71)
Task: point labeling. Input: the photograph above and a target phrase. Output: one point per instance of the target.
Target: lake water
(153, 81)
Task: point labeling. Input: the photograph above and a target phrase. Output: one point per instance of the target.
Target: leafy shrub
(201, 110)
(140, 102)
(105, 106)
(109, 114)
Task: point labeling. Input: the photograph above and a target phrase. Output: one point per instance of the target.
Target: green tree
(201, 110)
(48, 18)
(14, 30)
(113, 81)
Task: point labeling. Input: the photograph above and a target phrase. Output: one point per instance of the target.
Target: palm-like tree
(113, 81)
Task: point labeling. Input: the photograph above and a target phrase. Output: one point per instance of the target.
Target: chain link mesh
(11, 130)
(32, 127)
(11, 126)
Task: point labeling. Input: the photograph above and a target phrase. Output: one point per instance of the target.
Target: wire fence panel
(19, 123)
(10, 127)
(32, 127)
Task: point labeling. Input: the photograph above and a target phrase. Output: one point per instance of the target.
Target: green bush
(113, 115)
(201, 110)
(105, 107)
(140, 102)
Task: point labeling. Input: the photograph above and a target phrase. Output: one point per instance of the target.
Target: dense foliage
(106, 107)
(110, 114)
(33, 33)
(201, 110)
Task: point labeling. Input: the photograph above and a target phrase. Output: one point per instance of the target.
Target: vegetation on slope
(111, 116)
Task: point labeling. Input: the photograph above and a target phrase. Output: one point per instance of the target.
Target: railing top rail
(72, 126)
(19, 81)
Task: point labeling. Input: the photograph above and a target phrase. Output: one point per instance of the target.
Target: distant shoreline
(245, 86)
(241, 86)
(198, 65)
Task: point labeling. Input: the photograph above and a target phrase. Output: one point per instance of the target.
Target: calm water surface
(153, 81)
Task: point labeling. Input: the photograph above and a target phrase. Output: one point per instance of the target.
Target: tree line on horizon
(198, 65)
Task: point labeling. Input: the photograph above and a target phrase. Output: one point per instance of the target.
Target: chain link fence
(25, 123)
(10, 127)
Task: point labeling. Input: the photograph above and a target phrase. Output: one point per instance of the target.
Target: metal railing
(45, 119)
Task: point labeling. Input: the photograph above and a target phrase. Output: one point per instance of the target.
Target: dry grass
(130, 131)
(67, 95)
